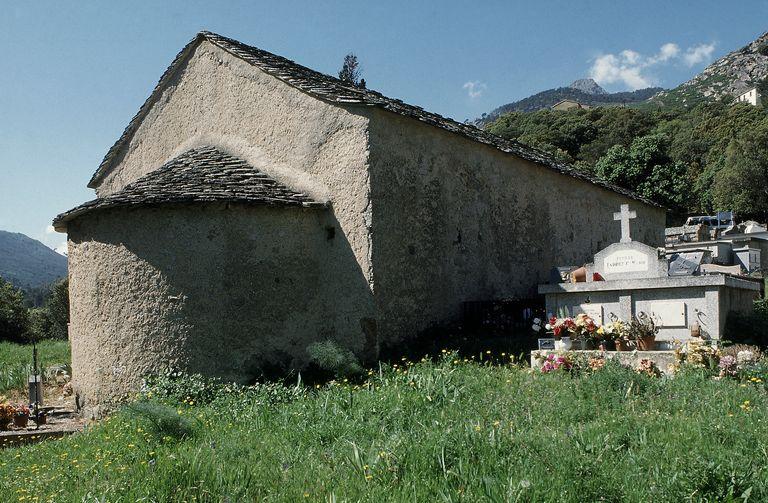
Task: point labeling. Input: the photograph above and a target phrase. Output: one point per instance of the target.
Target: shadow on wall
(226, 290)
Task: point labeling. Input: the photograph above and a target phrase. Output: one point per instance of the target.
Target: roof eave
(60, 221)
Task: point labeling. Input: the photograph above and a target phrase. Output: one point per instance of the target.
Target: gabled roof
(333, 90)
(200, 175)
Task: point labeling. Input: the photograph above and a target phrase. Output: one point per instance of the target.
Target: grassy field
(446, 431)
(16, 361)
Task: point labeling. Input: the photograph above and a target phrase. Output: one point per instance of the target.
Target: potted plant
(561, 329)
(616, 333)
(6, 415)
(642, 331)
(21, 416)
(585, 331)
(605, 339)
(42, 417)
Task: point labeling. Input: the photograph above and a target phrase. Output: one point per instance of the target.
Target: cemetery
(631, 281)
(290, 287)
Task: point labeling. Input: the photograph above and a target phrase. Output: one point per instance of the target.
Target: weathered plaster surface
(223, 290)
(456, 221)
(217, 99)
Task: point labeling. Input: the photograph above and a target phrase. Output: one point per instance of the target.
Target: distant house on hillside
(569, 105)
(751, 96)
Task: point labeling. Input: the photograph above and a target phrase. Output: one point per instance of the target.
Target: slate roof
(200, 175)
(333, 90)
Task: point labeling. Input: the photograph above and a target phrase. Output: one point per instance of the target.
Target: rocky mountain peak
(730, 75)
(588, 86)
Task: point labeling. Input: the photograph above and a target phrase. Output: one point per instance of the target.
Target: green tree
(57, 308)
(14, 319)
(696, 159)
(646, 168)
(741, 184)
(350, 70)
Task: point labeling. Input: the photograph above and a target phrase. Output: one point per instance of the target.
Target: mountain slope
(28, 263)
(730, 75)
(585, 91)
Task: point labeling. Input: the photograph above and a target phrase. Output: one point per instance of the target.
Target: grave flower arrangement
(648, 367)
(21, 416)
(643, 330)
(561, 327)
(697, 354)
(638, 333)
(727, 366)
(562, 330)
(616, 332)
(585, 329)
(553, 363)
(7, 412)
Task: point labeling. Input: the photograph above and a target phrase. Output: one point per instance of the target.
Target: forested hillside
(710, 157)
(29, 264)
(585, 91)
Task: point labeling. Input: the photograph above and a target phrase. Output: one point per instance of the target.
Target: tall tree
(646, 168)
(350, 70)
(742, 183)
(57, 306)
(14, 319)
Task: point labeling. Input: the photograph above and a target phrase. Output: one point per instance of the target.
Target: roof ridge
(333, 90)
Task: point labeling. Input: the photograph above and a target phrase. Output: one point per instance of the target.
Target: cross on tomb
(624, 215)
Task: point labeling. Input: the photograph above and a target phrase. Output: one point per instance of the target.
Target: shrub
(332, 358)
(178, 387)
(39, 323)
(161, 420)
(748, 328)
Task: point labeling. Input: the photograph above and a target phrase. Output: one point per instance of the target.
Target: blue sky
(74, 73)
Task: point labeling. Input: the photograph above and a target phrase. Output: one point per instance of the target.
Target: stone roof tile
(203, 174)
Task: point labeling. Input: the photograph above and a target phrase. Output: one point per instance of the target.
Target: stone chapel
(254, 206)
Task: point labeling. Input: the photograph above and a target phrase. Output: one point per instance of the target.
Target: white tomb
(629, 277)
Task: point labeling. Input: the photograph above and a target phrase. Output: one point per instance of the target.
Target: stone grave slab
(670, 313)
(630, 260)
(686, 263)
(594, 311)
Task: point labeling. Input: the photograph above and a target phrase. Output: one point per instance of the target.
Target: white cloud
(635, 70)
(474, 88)
(50, 230)
(666, 52)
(699, 54)
(608, 69)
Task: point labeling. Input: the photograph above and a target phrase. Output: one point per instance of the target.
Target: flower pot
(622, 345)
(563, 344)
(21, 421)
(5, 424)
(646, 343)
(42, 418)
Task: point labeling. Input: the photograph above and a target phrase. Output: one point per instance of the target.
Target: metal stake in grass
(35, 386)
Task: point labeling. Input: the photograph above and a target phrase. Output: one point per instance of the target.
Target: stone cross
(624, 215)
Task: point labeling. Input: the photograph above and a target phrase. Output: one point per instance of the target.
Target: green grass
(447, 431)
(16, 361)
